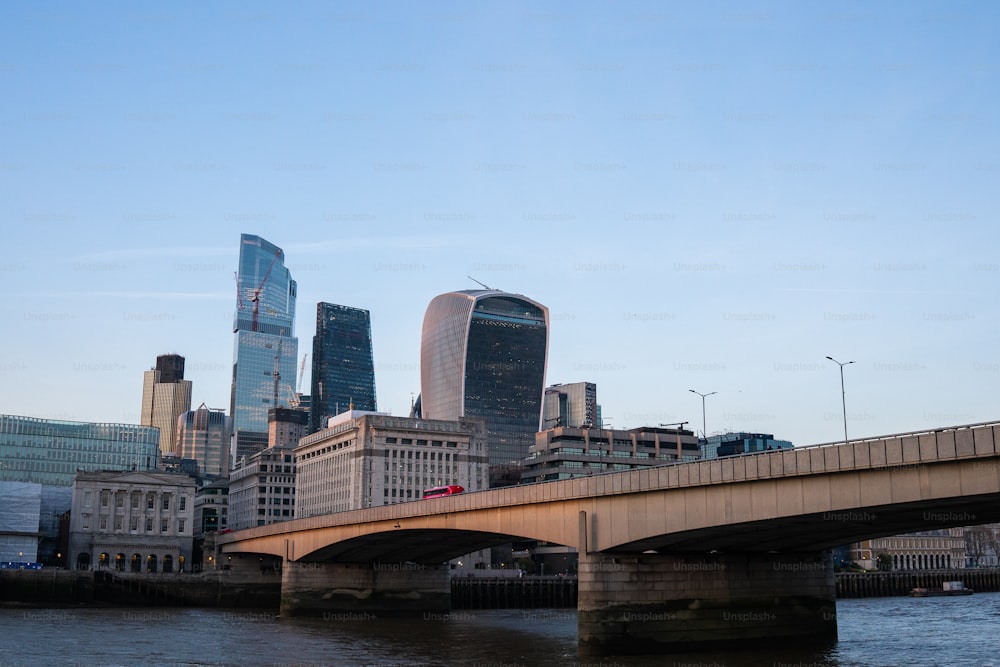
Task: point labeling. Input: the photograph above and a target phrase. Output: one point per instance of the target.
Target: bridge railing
(900, 451)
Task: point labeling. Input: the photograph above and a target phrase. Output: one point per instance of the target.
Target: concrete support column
(658, 603)
(317, 589)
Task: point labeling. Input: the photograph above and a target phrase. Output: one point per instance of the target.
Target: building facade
(205, 435)
(365, 459)
(265, 347)
(564, 453)
(343, 366)
(211, 507)
(166, 395)
(286, 426)
(925, 550)
(734, 444)
(46, 454)
(483, 354)
(132, 521)
(573, 405)
(262, 489)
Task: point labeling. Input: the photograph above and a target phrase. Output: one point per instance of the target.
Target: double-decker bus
(440, 491)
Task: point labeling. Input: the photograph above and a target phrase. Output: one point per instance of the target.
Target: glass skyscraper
(483, 354)
(38, 458)
(265, 343)
(343, 367)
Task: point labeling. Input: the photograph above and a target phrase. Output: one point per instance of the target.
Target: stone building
(131, 521)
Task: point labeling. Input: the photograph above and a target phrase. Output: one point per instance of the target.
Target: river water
(945, 632)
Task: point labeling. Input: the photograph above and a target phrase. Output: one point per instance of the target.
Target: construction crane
(255, 297)
(302, 370)
(277, 375)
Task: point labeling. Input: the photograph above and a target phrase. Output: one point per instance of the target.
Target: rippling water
(945, 632)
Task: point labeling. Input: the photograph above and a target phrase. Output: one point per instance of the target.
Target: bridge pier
(325, 589)
(659, 603)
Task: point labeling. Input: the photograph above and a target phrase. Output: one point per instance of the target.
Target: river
(945, 632)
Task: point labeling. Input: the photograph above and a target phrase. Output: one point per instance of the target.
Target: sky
(712, 196)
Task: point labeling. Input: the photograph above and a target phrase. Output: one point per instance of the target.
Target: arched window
(180, 563)
(151, 563)
(83, 561)
(168, 563)
(120, 562)
(104, 560)
(136, 563)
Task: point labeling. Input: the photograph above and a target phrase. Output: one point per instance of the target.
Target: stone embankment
(49, 587)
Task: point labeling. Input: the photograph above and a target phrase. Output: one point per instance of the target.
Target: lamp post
(704, 431)
(843, 396)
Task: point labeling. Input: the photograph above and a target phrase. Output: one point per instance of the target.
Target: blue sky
(710, 196)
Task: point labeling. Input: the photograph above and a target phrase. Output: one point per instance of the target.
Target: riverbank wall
(889, 584)
(50, 587)
(45, 587)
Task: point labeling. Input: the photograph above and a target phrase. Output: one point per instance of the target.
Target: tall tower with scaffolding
(265, 346)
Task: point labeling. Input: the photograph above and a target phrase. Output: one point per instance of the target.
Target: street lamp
(704, 431)
(843, 399)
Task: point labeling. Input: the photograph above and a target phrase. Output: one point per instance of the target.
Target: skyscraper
(343, 369)
(165, 396)
(572, 405)
(204, 435)
(265, 347)
(483, 354)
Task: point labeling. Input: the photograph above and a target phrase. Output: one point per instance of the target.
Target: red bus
(441, 491)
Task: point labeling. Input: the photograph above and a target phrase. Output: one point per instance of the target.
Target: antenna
(484, 285)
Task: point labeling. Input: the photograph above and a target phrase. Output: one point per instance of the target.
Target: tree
(976, 544)
(883, 562)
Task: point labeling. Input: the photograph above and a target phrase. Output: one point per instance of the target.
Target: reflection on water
(885, 631)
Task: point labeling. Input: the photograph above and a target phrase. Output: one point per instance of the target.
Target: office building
(564, 453)
(131, 521)
(205, 435)
(165, 396)
(364, 459)
(734, 444)
(211, 507)
(573, 405)
(483, 354)
(262, 489)
(265, 348)
(39, 458)
(285, 426)
(343, 367)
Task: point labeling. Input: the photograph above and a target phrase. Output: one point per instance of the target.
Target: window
(163, 525)
(149, 502)
(135, 501)
(86, 498)
(180, 525)
(104, 498)
(86, 521)
(149, 524)
(134, 524)
(166, 502)
(183, 503)
(119, 522)
(104, 523)
(120, 499)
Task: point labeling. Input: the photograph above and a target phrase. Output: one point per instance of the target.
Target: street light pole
(704, 431)
(843, 395)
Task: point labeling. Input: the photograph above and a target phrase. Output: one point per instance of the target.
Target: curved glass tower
(265, 341)
(483, 354)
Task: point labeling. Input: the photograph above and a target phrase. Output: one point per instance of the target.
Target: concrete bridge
(730, 550)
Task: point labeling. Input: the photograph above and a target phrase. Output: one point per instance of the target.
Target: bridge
(731, 550)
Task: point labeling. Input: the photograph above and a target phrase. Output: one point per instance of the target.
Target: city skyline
(706, 198)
